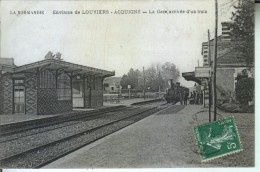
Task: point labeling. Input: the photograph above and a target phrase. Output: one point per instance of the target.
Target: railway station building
(49, 86)
(231, 63)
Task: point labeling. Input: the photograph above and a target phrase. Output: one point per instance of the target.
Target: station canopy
(54, 64)
(190, 76)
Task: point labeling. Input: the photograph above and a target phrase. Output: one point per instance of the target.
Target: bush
(245, 90)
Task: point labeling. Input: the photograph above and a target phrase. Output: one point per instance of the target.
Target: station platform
(155, 141)
(164, 139)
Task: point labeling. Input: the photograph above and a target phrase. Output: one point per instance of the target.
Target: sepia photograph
(127, 84)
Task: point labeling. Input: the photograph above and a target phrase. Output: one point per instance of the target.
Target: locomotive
(176, 93)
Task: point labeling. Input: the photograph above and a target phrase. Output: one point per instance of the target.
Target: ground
(165, 139)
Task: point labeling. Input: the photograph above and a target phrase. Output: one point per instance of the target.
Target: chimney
(7, 61)
(6, 65)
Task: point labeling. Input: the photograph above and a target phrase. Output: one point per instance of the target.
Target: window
(205, 60)
(106, 85)
(64, 87)
(227, 28)
(19, 99)
(226, 37)
(47, 80)
(18, 81)
(205, 56)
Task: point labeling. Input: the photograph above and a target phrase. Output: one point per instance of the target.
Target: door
(19, 99)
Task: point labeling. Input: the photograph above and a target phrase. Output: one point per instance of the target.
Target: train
(176, 93)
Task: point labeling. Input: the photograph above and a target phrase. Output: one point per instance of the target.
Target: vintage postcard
(127, 84)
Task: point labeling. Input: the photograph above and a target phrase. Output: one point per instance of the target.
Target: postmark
(218, 138)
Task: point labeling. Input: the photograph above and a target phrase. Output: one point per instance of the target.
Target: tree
(245, 90)
(131, 78)
(124, 81)
(243, 28)
(151, 78)
(156, 76)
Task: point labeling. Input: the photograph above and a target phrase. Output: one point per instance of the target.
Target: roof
(112, 80)
(190, 76)
(228, 54)
(54, 64)
(232, 57)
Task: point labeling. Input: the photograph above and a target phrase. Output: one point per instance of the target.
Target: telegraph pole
(215, 62)
(144, 82)
(209, 80)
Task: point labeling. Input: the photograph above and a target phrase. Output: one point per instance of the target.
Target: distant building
(49, 86)
(223, 40)
(231, 62)
(112, 85)
(226, 31)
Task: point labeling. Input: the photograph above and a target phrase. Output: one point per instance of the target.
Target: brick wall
(1, 96)
(30, 84)
(6, 95)
(48, 102)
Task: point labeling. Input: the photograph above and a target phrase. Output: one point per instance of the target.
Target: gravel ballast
(38, 156)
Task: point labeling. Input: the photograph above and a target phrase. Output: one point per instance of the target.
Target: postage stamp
(218, 138)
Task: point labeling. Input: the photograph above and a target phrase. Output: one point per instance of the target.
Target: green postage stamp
(218, 138)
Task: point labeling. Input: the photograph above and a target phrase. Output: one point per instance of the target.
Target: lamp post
(118, 91)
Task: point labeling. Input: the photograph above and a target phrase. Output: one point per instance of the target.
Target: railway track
(33, 138)
(25, 130)
(42, 154)
(9, 129)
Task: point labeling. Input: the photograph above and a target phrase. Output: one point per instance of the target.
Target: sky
(111, 41)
